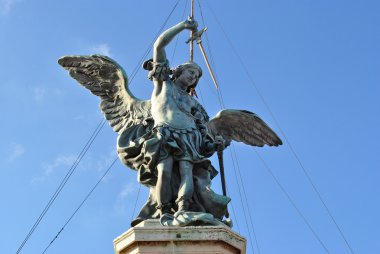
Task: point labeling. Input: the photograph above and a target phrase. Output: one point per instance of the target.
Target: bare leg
(186, 187)
(163, 187)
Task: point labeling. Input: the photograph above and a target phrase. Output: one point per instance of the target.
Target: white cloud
(102, 163)
(39, 93)
(37, 179)
(101, 49)
(79, 117)
(6, 6)
(128, 189)
(49, 168)
(106, 159)
(126, 198)
(59, 92)
(61, 160)
(98, 164)
(17, 150)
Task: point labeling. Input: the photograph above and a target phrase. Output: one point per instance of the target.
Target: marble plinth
(151, 237)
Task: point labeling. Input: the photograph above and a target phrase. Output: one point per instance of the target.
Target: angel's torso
(172, 106)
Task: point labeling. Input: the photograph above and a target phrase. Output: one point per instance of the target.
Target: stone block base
(151, 237)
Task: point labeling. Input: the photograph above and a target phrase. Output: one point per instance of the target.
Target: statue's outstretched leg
(186, 188)
(163, 186)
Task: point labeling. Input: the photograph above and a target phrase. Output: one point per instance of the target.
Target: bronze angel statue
(169, 138)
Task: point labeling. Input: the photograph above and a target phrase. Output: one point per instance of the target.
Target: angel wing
(107, 80)
(243, 126)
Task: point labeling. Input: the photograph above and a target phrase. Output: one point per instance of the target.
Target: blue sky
(315, 63)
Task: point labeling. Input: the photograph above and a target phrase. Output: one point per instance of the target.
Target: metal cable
(245, 195)
(137, 198)
(63, 182)
(242, 202)
(235, 165)
(85, 149)
(176, 42)
(292, 202)
(219, 92)
(135, 70)
(80, 205)
(88, 195)
(221, 103)
(235, 217)
(311, 182)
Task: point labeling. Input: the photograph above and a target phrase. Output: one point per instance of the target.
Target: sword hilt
(197, 36)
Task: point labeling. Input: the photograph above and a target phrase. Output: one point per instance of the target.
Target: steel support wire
(86, 147)
(63, 183)
(311, 182)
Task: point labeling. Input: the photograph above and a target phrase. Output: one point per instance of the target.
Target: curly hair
(177, 71)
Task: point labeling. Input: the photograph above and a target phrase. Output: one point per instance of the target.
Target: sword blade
(208, 65)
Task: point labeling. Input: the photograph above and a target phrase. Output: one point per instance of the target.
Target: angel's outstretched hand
(191, 24)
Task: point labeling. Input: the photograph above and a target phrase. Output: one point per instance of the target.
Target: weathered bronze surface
(169, 138)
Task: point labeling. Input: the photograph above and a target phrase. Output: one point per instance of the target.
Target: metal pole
(192, 33)
(222, 177)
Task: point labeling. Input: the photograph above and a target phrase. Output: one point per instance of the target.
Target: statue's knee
(185, 169)
(185, 165)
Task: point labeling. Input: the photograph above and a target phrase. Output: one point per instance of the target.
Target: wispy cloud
(98, 164)
(79, 117)
(106, 159)
(49, 168)
(123, 201)
(127, 190)
(6, 6)
(61, 160)
(17, 150)
(39, 93)
(101, 163)
(102, 49)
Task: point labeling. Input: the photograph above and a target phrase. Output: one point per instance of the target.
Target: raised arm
(166, 37)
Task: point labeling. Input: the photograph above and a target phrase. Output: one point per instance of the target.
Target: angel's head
(189, 73)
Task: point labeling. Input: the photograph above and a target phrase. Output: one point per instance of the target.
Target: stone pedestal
(151, 237)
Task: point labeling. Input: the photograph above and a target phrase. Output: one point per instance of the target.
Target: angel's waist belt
(175, 128)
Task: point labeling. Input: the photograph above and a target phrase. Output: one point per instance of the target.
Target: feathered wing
(243, 126)
(107, 80)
